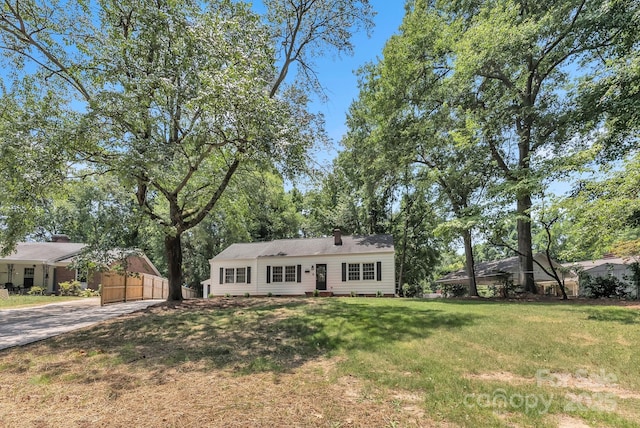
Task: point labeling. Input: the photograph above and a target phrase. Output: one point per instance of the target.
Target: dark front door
(321, 277)
(28, 277)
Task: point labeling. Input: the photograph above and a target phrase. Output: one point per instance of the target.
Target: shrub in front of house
(607, 286)
(89, 293)
(412, 290)
(70, 288)
(36, 291)
(454, 290)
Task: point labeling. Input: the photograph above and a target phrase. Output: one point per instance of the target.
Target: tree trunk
(470, 262)
(403, 258)
(564, 291)
(173, 250)
(524, 244)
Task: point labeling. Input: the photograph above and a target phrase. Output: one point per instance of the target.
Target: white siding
(234, 289)
(617, 270)
(307, 284)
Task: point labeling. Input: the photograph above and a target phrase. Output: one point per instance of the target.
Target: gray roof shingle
(308, 247)
(48, 252)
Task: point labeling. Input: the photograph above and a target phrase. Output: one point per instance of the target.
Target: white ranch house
(338, 265)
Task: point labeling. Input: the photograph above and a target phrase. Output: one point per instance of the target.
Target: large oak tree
(176, 96)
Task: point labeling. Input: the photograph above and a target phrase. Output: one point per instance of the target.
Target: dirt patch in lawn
(569, 422)
(505, 377)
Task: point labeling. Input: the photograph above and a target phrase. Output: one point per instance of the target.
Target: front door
(321, 277)
(28, 277)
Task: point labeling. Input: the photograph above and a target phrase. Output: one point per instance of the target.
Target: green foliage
(88, 292)
(70, 288)
(33, 153)
(379, 293)
(503, 289)
(596, 216)
(37, 291)
(173, 98)
(269, 294)
(412, 290)
(634, 278)
(247, 295)
(97, 210)
(454, 290)
(316, 293)
(484, 89)
(607, 286)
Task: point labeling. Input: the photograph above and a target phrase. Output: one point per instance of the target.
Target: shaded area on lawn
(624, 316)
(244, 335)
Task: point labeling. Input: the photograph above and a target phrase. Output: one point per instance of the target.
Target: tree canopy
(172, 97)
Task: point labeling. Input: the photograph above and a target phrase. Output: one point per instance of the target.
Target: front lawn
(335, 363)
(17, 301)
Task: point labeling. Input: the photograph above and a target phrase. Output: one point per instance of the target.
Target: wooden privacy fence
(138, 286)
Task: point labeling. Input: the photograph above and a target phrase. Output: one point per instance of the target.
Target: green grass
(471, 363)
(16, 301)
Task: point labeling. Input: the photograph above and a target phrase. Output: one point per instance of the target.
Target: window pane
(241, 275)
(277, 274)
(228, 275)
(290, 273)
(354, 271)
(368, 271)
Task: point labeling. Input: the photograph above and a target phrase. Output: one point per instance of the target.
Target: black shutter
(221, 275)
(268, 274)
(299, 273)
(379, 271)
(248, 274)
(344, 272)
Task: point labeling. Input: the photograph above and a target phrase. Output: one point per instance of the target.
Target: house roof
(591, 264)
(61, 253)
(113, 255)
(308, 247)
(492, 269)
(43, 252)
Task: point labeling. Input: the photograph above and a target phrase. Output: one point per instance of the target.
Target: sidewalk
(26, 325)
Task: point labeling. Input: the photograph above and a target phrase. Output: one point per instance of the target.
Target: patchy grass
(17, 301)
(334, 363)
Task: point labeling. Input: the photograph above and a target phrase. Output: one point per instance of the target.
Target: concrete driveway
(26, 325)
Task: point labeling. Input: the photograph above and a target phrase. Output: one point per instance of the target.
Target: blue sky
(337, 74)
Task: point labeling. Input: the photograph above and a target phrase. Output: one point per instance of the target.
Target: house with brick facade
(47, 264)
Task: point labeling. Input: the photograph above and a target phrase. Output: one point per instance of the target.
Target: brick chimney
(60, 238)
(337, 236)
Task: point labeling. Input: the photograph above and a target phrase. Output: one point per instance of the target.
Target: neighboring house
(607, 266)
(338, 265)
(497, 271)
(46, 264)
